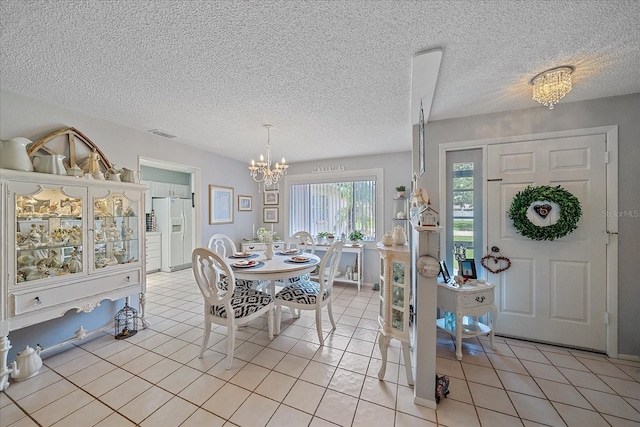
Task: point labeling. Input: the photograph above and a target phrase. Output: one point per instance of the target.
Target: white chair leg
(278, 318)
(270, 323)
(319, 324)
(231, 341)
(205, 336)
(333, 323)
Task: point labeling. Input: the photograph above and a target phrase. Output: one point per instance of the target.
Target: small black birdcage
(126, 322)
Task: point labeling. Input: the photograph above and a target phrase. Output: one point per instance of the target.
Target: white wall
(623, 111)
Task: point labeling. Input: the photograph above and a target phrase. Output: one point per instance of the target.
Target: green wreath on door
(570, 212)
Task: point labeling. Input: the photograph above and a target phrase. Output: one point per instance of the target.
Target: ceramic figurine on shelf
(75, 265)
(419, 196)
(129, 211)
(112, 232)
(129, 234)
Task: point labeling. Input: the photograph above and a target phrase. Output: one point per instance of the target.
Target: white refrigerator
(174, 219)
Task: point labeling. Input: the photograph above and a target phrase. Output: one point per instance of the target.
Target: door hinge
(606, 318)
(607, 157)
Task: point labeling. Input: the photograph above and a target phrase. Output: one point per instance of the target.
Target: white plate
(290, 251)
(244, 264)
(299, 259)
(241, 254)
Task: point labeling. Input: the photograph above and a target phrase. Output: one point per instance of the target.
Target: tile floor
(155, 378)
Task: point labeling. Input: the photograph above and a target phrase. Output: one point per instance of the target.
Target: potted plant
(356, 236)
(330, 237)
(400, 191)
(322, 237)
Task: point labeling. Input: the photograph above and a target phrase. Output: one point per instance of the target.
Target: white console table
(358, 250)
(466, 300)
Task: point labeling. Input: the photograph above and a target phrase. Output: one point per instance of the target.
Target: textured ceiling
(333, 77)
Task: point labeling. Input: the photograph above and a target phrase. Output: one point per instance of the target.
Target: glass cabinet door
(49, 232)
(397, 295)
(115, 231)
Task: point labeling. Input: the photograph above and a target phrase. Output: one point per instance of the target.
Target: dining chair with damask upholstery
(225, 303)
(303, 242)
(225, 246)
(306, 294)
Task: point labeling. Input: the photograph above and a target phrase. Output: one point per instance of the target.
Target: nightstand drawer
(477, 299)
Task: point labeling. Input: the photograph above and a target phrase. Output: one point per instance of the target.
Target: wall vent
(161, 133)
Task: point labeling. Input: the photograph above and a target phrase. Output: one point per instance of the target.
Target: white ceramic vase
(268, 251)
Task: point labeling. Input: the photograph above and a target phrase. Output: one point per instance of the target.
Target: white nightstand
(473, 301)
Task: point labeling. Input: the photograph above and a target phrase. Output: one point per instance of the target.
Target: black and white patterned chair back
(329, 266)
(214, 276)
(220, 243)
(303, 241)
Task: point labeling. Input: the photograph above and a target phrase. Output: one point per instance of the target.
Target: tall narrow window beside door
(464, 204)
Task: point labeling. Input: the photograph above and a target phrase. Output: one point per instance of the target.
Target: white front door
(555, 291)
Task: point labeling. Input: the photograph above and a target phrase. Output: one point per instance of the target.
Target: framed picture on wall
(271, 197)
(244, 203)
(421, 149)
(220, 205)
(270, 215)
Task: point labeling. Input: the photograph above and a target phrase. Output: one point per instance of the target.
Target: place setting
(247, 263)
(298, 259)
(243, 255)
(294, 251)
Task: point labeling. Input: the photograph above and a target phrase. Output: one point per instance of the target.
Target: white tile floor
(155, 378)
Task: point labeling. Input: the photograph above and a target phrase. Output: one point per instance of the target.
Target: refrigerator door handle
(184, 219)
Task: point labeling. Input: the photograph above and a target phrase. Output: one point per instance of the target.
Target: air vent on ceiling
(161, 133)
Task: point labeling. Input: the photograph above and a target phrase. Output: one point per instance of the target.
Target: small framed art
(444, 271)
(270, 215)
(271, 197)
(244, 203)
(467, 269)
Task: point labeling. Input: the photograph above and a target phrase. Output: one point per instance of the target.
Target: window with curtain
(334, 207)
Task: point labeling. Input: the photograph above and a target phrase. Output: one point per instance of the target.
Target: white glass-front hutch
(395, 303)
(70, 243)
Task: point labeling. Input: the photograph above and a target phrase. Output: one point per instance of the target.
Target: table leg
(407, 362)
(494, 318)
(383, 343)
(459, 336)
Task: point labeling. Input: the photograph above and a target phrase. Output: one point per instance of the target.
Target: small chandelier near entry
(261, 171)
(550, 86)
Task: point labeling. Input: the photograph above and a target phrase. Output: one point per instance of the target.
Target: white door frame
(195, 187)
(612, 204)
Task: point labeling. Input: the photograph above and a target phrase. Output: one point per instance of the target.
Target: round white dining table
(278, 268)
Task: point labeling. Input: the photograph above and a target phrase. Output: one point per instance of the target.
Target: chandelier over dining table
(261, 171)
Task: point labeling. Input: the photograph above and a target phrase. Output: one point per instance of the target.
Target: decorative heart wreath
(570, 212)
(497, 260)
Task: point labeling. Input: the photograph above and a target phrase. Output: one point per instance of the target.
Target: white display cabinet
(395, 301)
(73, 243)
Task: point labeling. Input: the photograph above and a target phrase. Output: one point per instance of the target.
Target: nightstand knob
(480, 299)
(38, 302)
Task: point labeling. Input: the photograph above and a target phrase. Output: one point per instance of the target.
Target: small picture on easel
(444, 271)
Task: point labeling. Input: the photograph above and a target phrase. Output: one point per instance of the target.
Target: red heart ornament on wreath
(501, 262)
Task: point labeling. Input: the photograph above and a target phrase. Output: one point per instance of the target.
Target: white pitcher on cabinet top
(50, 163)
(13, 154)
(131, 176)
